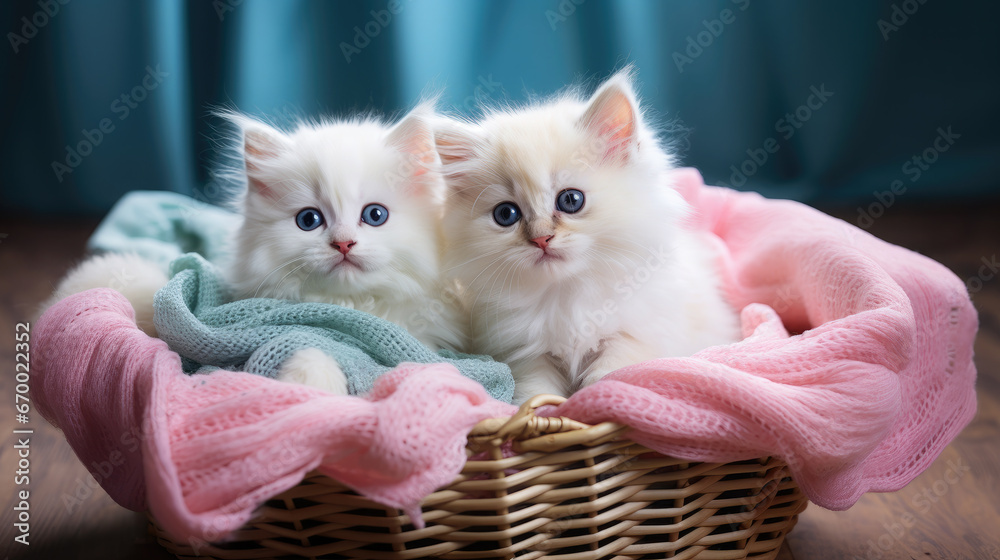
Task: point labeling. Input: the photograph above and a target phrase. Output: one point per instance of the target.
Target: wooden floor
(952, 511)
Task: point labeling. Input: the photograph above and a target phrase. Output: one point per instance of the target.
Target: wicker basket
(559, 490)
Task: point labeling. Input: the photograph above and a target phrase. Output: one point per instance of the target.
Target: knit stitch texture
(257, 335)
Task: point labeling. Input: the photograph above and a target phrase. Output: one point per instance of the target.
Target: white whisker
(483, 256)
(290, 272)
(276, 269)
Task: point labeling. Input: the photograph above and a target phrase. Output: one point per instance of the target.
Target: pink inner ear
(414, 139)
(612, 118)
(421, 151)
(415, 143)
(452, 149)
(260, 187)
(258, 146)
(619, 128)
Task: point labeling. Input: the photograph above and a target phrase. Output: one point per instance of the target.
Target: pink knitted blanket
(204, 451)
(878, 381)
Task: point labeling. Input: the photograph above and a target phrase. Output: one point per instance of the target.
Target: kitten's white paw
(314, 368)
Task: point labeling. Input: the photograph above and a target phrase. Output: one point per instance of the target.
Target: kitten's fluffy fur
(338, 168)
(618, 282)
(131, 275)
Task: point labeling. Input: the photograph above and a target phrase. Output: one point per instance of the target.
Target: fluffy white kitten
(346, 213)
(569, 241)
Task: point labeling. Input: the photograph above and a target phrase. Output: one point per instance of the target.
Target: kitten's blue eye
(569, 201)
(374, 214)
(506, 214)
(309, 219)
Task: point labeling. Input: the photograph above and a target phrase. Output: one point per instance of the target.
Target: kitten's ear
(262, 144)
(414, 138)
(455, 142)
(612, 117)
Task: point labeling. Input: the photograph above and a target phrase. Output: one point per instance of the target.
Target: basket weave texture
(537, 488)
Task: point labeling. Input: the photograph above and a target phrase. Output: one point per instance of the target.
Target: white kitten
(346, 213)
(569, 242)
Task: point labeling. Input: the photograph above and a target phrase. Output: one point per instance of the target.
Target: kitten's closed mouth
(346, 263)
(548, 257)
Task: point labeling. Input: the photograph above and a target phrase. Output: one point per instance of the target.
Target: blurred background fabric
(824, 102)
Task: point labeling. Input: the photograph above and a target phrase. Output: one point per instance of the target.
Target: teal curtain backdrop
(826, 102)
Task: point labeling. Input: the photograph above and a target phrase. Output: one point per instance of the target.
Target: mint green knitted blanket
(161, 226)
(257, 335)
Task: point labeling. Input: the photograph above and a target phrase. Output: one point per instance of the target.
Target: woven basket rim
(566, 485)
(530, 432)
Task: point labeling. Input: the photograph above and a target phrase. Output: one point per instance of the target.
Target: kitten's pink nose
(343, 246)
(543, 241)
